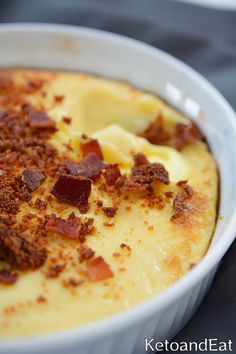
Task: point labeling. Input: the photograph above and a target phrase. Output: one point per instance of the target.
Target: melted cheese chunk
(159, 251)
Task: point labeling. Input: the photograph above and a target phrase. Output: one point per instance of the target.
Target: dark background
(201, 37)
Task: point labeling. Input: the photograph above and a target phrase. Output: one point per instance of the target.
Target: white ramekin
(110, 55)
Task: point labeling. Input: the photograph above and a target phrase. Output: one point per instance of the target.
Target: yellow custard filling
(146, 249)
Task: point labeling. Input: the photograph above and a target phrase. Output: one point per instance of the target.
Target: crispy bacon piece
(73, 190)
(85, 253)
(33, 178)
(90, 166)
(2, 114)
(182, 203)
(91, 145)
(111, 173)
(110, 212)
(20, 252)
(8, 277)
(67, 228)
(87, 228)
(143, 174)
(155, 132)
(185, 134)
(54, 271)
(150, 172)
(140, 159)
(39, 119)
(98, 269)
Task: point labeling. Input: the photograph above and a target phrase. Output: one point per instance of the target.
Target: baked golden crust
(107, 196)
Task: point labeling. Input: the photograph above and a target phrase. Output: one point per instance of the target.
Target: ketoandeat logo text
(207, 345)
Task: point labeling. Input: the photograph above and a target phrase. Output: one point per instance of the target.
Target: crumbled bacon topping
(90, 166)
(140, 159)
(73, 190)
(66, 228)
(98, 269)
(111, 174)
(12, 193)
(178, 137)
(155, 132)
(8, 277)
(66, 120)
(110, 212)
(182, 203)
(91, 145)
(54, 271)
(33, 178)
(20, 252)
(85, 253)
(143, 174)
(185, 134)
(38, 119)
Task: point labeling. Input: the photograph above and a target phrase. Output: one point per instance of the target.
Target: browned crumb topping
(143, 174)
(20, 251)
(179, 136)
(27, 159)
(66, 120)
(156, 132)
(54, 271)
(110, 212)
(85, 253)
(182, 203)
(91, 146)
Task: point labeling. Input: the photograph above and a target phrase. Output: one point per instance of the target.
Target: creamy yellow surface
(161, 251)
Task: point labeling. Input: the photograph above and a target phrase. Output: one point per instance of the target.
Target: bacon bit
(41, 299)
(66, 120)
(85, 253)
(169, 194)
(182, 184)
(142, 176)
(33, 178)
(91, 145)
(39, 119)
(58, 98)
(67, 228)
(124, 246)
(110, 212)
(87, 228)
(98, 269)
(8, 277)
(99, 203)
(111, 173)
(116, 254)
(3, 114)
(73, 190)
(140, 159)
(19, 252)
(54, 271)
(71, 282)
(155, 132)
(40, 204)
(185, 134)
(181, 203)
(108, 224)
(90, 166)
(150, 172)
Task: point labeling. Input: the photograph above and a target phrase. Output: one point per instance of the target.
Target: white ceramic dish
(110, 55)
